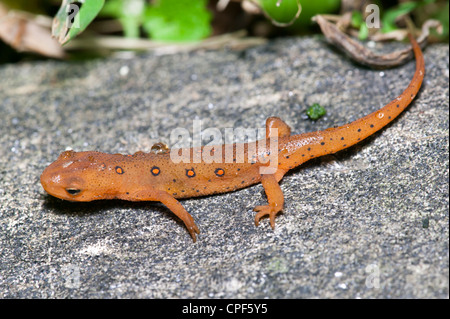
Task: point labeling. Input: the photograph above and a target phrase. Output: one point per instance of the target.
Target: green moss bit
(315, 111)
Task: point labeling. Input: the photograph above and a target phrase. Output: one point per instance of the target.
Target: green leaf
(71, 19)
(389, 17)
(177, 20)
(357, 19)
(358, 22)
(130, 27)
(112, 8)
(363, 33)
(281, 11)
(129, 13)
(442, 15)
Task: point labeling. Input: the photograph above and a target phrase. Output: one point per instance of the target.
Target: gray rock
(368, 222)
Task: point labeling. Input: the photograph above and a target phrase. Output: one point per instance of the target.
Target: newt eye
(73, 191)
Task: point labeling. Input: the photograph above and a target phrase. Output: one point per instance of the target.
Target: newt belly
(154, 176)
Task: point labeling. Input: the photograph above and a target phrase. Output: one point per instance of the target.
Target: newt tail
(333, 140)
(154, 176)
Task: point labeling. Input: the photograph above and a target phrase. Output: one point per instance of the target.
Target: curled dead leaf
(28, 33)
(363, 55)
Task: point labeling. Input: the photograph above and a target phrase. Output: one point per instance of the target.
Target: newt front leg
(172, 204)
(179, 210)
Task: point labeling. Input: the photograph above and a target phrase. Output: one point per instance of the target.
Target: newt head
(81, 176)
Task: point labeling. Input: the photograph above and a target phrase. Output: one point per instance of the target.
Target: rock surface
(368, 222)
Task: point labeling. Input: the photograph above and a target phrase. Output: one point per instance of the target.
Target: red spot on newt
(155, 171)
(190, 172)
(220, 172)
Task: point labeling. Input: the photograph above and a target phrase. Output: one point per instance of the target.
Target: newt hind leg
(274, 195)
(276, 127)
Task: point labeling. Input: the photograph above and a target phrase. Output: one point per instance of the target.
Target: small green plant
(177, 20)
(297, 13)
(281, 11)
(358, 22)
(163, 20)
(390, 16)
(73, 17)
(316, 111)
(128, 12)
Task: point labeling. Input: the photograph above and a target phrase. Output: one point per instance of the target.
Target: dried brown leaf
(363, 55)
(24, 33)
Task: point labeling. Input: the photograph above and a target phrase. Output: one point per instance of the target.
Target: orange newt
(87, 176)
